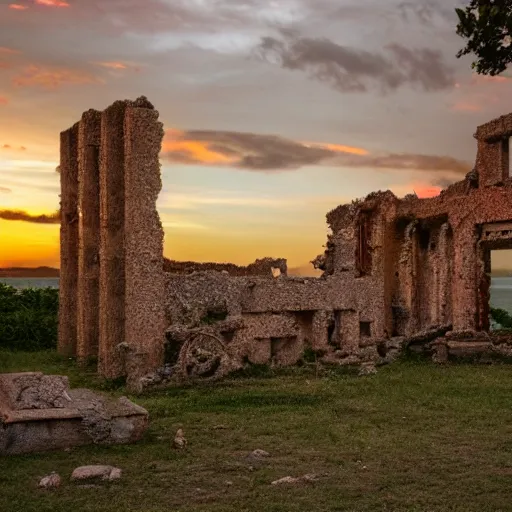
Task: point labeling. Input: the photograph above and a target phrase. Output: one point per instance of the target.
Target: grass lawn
(414, 437)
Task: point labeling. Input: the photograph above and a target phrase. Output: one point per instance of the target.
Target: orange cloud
(463, 106)
(197, 151)
(3, 100)
(426, 192)
(18, 7)
(4, 49)
(251, 151)
(9, 147)
(52, 3)
(338, 148)
(112, 65)
(52, 78)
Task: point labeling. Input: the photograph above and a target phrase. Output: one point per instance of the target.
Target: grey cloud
(427, 11)
(20, 215)
(265, 153)
(353, 70)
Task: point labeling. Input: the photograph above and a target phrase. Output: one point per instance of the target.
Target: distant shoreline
(55, 272)
(29, 272)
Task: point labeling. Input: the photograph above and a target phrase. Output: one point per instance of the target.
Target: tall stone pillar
(112, 252)
(67, 333)
(464, 278)
(143, 249)
(445, 275)
(88, 234)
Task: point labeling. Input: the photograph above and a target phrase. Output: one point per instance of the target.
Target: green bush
(28, 318)
(502, 317)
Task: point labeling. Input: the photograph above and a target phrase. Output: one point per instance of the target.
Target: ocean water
(501, 288)
(31, 282)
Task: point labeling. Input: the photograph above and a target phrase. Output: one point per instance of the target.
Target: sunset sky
(275, 112)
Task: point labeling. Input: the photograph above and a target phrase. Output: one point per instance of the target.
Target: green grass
(414, 437)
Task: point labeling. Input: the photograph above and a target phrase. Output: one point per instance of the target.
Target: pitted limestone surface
(392, 268)
(39, 412)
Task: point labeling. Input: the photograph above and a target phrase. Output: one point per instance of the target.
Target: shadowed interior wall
(68, 242)
(88, 235)
(112, 257)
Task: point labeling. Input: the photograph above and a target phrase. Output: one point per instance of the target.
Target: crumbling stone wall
(112, 290)
(393, 269)
(261, 267)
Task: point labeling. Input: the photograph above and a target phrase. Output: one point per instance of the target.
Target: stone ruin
(40, 412)
(112, 280)
(395, 271)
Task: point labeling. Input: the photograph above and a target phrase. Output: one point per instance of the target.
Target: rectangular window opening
(365, 329)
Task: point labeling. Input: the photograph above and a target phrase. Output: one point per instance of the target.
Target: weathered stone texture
(88, 235)
(40, 413)
(143, 244)
(393, 269)
(112, 237)
(68, 241)
(261, 267)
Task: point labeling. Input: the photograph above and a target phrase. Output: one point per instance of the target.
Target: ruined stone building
(392, 267)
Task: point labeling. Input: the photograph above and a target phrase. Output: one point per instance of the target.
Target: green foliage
(487, 26)
(502, 317)
(28, 318)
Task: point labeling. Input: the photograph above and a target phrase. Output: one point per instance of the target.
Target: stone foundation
(40, 413)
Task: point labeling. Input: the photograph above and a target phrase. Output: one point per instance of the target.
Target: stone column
(445, 274)
(464, 280)
(112, 253)
(348, 331)
(319, 329)
(492, 162)
(143, 249)
(89, 234)
(407, 276)
(68, 242)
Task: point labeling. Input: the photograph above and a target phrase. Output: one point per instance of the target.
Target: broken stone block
(179, 440)
(50, 481)
(96, 471)
(367, 369)
(40, 413)
(295, 480)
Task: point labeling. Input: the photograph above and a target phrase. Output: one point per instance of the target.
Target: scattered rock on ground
(50, 481)
(367, 369)
(259, 454)
(296, 480)
(97, 471)
(179, 440)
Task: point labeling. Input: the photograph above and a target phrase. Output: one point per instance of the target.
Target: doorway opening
(500, 289)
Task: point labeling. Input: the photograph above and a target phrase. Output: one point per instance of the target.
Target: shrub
(28, 318)
(502, 317)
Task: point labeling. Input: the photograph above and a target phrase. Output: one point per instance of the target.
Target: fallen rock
(179, 440)
(367, 369)
(50, 481)
(259, 454)
(97, 471)
(296, 480)
(41, 413)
